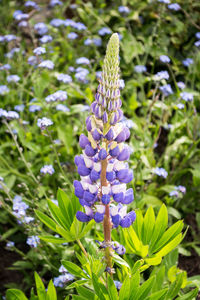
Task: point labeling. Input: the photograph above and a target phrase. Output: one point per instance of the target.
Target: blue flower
(10, 244)
(82, 61)
(72, 35)
(97, 41)
(79, 26)
(161, 75)
(140, 69)
(81, 74)
(174, 194)
(19, 107)
(39, 50)
(46, 39)
(180, 105)
(118, 284)
(164, 1)
(174, 6)
(186, 96)
(164, 59)
(32, 60)
(41, 28)
(34, 108)
(23, 24)
(21, 16)
(33, 241)
(197, 35)
(4, 89)
(166, 89)
(181, 188)
(31, 4)
(5, 67)
(187, 62)
(57, 96)
(62, 107)
(65, 78)
(57, 22)
(47, 169)
(181, 85)
(43, 123)
(46, 64)
(123, 10)
(160, 172)
(197, 43)
(61, 280)
(13, 78)
(55, 2)
(103, 31)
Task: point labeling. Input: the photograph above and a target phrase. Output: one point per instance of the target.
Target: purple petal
(114, 152)
(109, 135)
(105, 199)
(89, 151)
(83, 170)
(124, 154)
(83, 141)
(102, 154)
(82, 217)
(129, 196)
(98, 217)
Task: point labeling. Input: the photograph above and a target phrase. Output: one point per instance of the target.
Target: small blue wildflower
(46, 39)
(28, 219)
(55, 201)
(12, 52)
(197, 43)
(61, 280)
(10, 37)
(65, 78)
(166, 89)
(118, 284)
(62, 107)
(32, 60)
(57, 22)
(13, 78)
(57, 96)
(103, 31)
(181, 85)
(72, 35)
(85, 108)
(164, 59)
(187, 62)
(180, 106)
(47, 169)
(197, 35)
(82, 61)
(186, 96)
(3, 113)
(161, 75)
(21, 16)
(121, 84)
(69, 22)
(62, 269)
(88, 42)
(71, 69)
(31, 4)
(43, 123)
(16, 12)
(140, 69)
(160, 172)
(46, 64)
(79, 26)
(33, 241)
(23, 24)
(164, 1)
(55, 2)
(34, 108)
(4, 89)
(41, 28)
(39, 50)
(73, 6)
(12, 115)
(97, 41)
(10, 244)
(174, 6)
(123, 10)
(174, 194)
(81, 74)
(181, 188)
(5, 67)
(19, 107)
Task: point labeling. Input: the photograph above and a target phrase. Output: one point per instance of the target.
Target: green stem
(82, 247)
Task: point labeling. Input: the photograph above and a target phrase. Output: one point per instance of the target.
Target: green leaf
(175, 287)
(124, 293)
(51, 291)
(134, 285)
(64, 233)
(137, 225)
(57, 214)
(112, 291)
(74, 269)
(9, 232)
(67, 207)
(157, 295)
(145, 289)
(97, 287)
(170, 246)
(40, 287)
(160, 226)
(137, 266)
(46, 220)
(189, 296)
(14, 294)
(76, 283)
(148, 225)
(153, 260)
(120, 261)
(85, 292)
(52, 239)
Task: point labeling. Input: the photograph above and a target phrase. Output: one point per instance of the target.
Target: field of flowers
(100, 149)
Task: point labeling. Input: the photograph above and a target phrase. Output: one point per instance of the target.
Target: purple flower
(181, 85)
(166, 89)
(82, 61)
(123, 10)
(174, 6)
(19, 107)
(57, 22)
(13, 78)
(32, 60)
(46, 39)
(43, 123)
(4, 89)
(164, 59)
(5, 67)
(140, 69)
(72, 35)
(10, 244)
(47, 169)
(46, 64)
(187, 62)
(197, 34)
(164, 1)
(65, 78)
(181, 188)
(41, 28)
(186, 96)
(160, 172)
(174, 194)
(118, 284)
(31, 4)
(33, 241)
(197, 43)
(55, 2)
(103, 31)
(57, 96)
(180, 106)
(161, 75)
(34, 108)
(62, 107)
(39, 50)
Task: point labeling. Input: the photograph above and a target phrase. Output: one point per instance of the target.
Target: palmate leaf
(64, 220)
(148, 236)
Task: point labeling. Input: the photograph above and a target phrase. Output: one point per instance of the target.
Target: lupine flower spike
(104, 174)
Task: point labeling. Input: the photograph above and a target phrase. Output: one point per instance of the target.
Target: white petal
(100, 209)
(105, 190)
(119, 188)
(97, 167)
